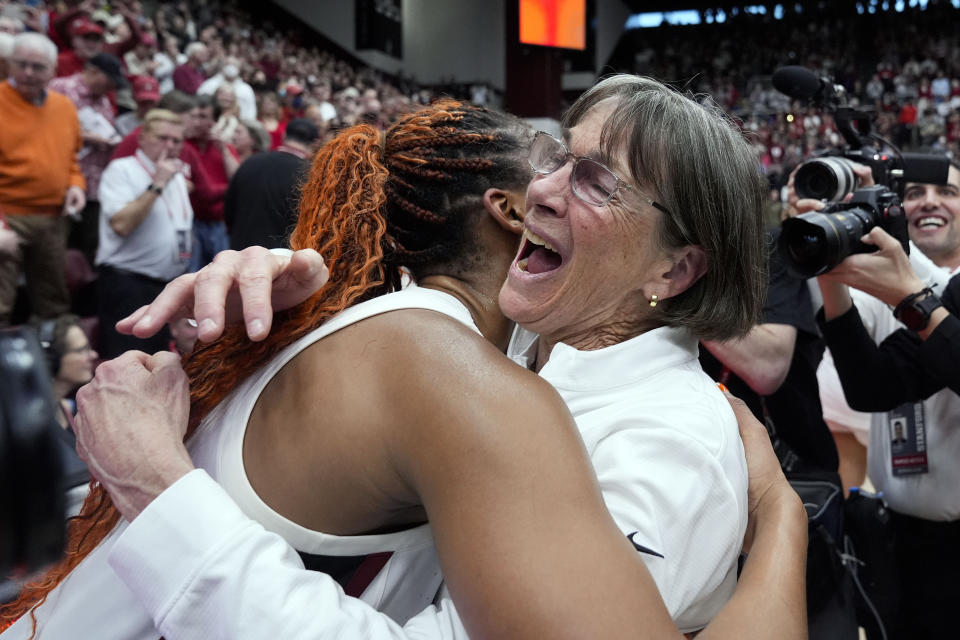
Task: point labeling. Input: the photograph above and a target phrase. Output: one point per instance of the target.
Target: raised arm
(904, 367)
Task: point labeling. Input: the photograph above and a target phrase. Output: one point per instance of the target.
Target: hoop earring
(653, 300)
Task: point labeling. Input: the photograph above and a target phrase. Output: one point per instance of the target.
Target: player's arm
(527, 546)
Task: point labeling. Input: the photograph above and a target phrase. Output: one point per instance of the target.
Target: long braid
(368, 206)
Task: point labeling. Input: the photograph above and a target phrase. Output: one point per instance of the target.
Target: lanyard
(163, 193)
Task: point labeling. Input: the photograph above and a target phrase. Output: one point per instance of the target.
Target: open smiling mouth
(930, 222)
(536, 255)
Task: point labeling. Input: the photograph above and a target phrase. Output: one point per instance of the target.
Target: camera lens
(808, 247)
(814, 243)
(829, 178)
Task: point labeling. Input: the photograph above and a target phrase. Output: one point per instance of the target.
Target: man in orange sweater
(39, 177)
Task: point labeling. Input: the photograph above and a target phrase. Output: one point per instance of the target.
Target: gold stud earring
(653, 300)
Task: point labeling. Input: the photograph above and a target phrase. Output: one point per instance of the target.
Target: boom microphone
(797, 82)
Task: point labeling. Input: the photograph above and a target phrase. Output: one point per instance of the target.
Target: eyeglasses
(36, 67)
(84, 349)
(591, 181)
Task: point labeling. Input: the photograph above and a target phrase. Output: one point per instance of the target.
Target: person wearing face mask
(230, 74)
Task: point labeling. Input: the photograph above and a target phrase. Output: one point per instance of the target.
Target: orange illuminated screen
(554, 23)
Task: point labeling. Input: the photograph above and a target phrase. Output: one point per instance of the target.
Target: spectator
(87, 40)
(229, 120)
(39, 177)
(145, 229)
(70, 361)
(261, 203)
(146, 93)
(219, 162)
(205, 190)
(190, 75)
(11, 25)
(292, 101)
(314, 113)
(249, 138)
(230, 75)
(940, 87)
(271, 116)
(141, 60)
(168, 59)
(320, 93)
(88, 92)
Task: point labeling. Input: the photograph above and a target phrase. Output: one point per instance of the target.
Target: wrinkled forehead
(31, 53)
(601, 135)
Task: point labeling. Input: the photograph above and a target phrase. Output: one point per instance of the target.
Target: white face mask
(230, 71)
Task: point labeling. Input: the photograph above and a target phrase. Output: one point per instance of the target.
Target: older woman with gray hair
(642, 234)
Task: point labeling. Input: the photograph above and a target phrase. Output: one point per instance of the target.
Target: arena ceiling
(639, 6)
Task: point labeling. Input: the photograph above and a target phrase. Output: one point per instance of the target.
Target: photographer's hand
(796, 205)
(885, 274)
(130, 424)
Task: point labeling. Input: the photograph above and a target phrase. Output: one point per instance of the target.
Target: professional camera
(814, 243)
(32, 503)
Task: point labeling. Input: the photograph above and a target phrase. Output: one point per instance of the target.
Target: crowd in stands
(238, 83)
(115, 62)
(138, 140)
(905, 65)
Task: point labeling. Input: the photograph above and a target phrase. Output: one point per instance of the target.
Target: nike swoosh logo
(641, 548)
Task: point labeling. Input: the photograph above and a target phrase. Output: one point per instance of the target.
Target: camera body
(32, 502)
(816, 242)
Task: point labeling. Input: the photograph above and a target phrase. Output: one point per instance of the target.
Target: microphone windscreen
(796, 82)
(926, 168)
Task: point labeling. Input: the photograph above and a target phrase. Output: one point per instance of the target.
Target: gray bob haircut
(691, 159)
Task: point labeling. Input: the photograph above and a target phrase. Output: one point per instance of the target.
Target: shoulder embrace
(460, 381)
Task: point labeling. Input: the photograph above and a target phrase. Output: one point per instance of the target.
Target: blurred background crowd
(240, 73)
(138, 139)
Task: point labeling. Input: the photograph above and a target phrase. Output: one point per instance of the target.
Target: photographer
(909, 365)
(916, 471)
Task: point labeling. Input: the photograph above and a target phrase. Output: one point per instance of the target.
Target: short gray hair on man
(695, 162)
(193, 48)
(6, 45)
(31, 41)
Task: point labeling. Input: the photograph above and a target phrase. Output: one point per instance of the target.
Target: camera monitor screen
(554, 23)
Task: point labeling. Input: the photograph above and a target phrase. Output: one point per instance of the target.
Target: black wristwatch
(914, 310)
(155, 188)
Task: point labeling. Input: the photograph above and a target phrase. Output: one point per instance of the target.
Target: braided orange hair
(368, 206)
